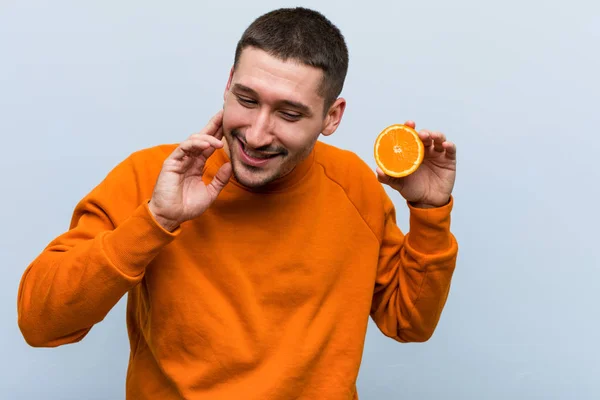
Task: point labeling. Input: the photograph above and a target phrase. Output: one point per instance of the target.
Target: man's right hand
(180, 194)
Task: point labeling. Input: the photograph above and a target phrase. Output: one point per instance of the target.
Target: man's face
(272, 116)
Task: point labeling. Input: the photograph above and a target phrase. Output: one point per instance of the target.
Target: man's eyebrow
(241, 88)
(303, 108)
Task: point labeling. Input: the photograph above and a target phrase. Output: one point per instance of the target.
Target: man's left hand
(432, 183)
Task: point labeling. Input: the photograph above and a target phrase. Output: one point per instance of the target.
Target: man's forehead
(255, 63)
(265, 76)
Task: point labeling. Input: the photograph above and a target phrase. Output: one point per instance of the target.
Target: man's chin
(252, 177)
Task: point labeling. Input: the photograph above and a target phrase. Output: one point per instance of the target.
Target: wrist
(418, 204)
(421, 205)
(165, 223)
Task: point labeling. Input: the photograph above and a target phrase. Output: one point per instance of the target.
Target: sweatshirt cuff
(133, 244)
(429, 231)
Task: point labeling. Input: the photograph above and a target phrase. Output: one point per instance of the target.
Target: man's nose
(259, 133)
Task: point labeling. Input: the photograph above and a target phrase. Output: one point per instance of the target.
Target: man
(251, 253)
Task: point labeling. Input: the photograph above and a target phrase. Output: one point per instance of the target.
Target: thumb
(382, 177)
(220, 180)
(395, 183)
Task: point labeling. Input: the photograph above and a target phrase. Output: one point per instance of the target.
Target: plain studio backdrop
(513, 83)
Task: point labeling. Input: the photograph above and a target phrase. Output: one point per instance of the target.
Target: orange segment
(398, 150)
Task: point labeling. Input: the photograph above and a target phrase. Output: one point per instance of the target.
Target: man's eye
(246, 101)
(291, 116)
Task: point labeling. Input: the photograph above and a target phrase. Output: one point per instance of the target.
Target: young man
(251, 253)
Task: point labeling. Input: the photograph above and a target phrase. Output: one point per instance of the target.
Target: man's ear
(228, 86)
(334, 117)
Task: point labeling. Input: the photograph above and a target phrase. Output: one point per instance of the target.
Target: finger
(410, 124)
(425, 137)
(220, 180)
(182, 151)
(215, 142)
(214, 125)
(208, 150)
(450, 150)
(193, 147)
(219, 133)
(438, 140)
(438, 137)
(212, 129)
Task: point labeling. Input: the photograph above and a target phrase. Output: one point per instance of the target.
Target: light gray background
(514, 83)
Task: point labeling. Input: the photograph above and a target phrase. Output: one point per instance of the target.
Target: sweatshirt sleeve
(414, 273)
(76, 280)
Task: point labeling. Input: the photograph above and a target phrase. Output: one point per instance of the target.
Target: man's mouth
(255, 158)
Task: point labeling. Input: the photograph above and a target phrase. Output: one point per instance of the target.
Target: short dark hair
(304, 35)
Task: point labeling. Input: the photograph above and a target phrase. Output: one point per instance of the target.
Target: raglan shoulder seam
(335, 181)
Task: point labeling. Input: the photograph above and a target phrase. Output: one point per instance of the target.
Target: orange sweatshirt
(266, 295)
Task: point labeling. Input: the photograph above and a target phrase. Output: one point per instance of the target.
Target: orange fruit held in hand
(398, 150)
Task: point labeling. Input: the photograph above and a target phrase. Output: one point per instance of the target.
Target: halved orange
(398, 150)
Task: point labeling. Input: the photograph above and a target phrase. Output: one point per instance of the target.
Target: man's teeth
(259, 156)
